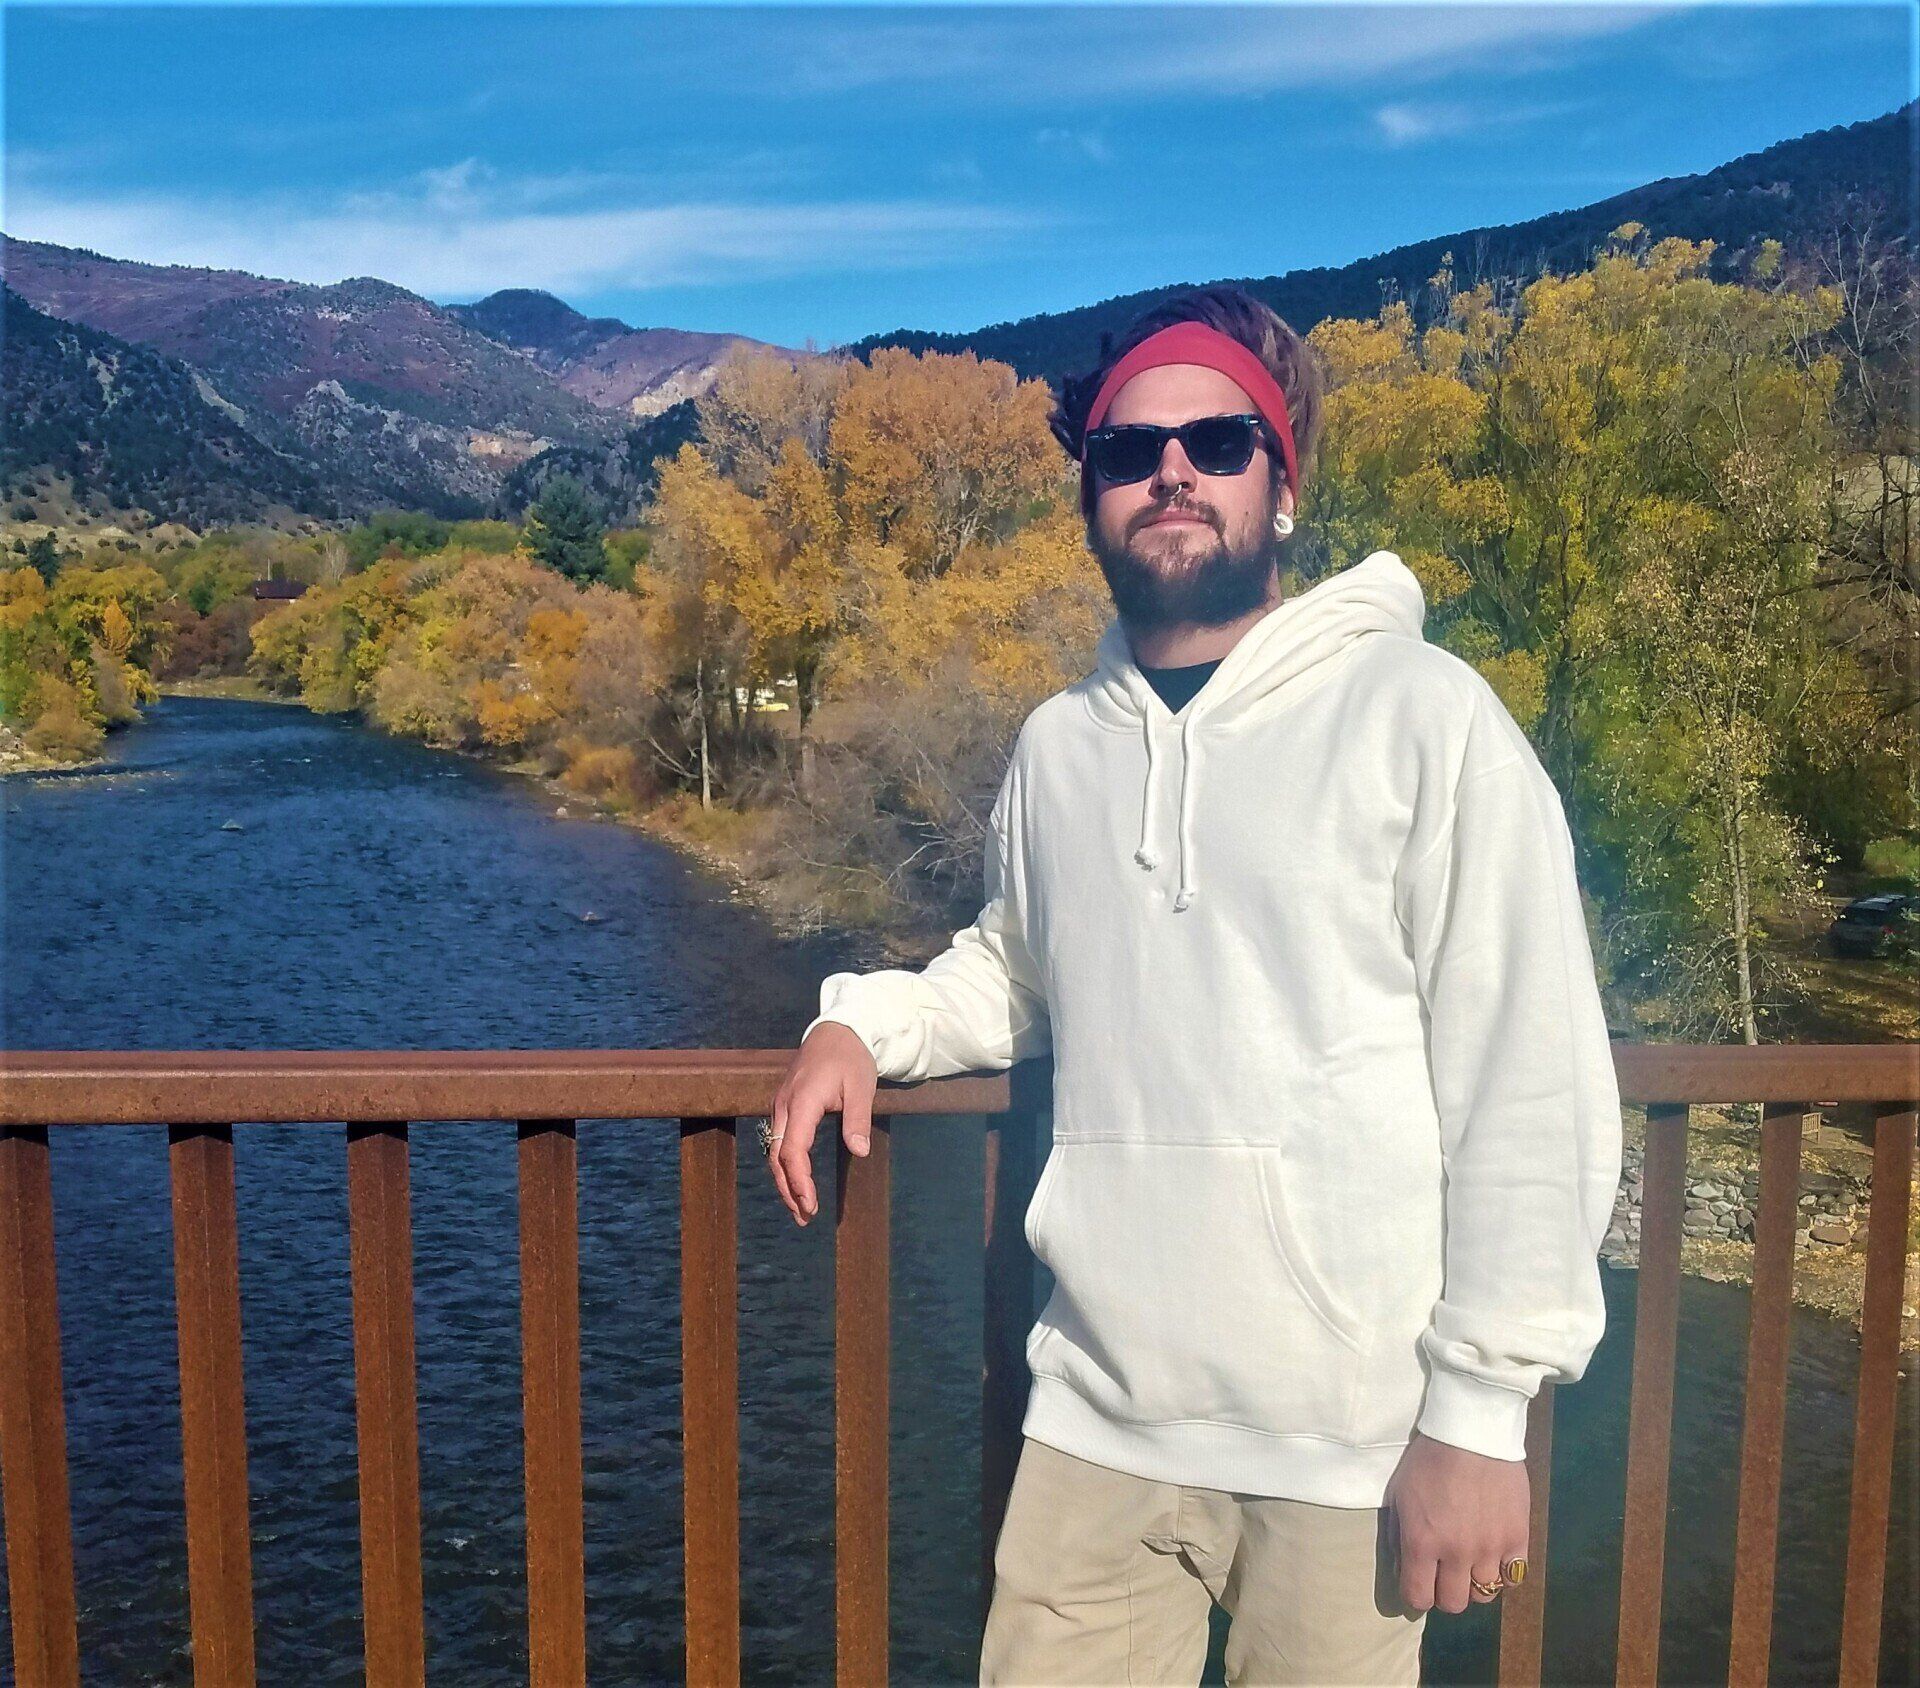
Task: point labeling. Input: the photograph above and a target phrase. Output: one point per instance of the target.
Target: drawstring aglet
(1146, 858)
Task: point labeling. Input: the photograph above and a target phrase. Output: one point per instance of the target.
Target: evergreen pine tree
(43, 554)
(564, 531)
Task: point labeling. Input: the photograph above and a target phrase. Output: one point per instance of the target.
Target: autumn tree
(1614, 486)
(761, 399)
(1730, 664)
(1870, 563)
(77, 656)
(939, 451)
(709, 535)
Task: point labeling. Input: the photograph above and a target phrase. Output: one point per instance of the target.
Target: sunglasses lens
(1220, 445)
(1215, 445)
(1125, 453)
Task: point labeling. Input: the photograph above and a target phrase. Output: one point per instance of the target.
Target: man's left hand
(1457, 1516)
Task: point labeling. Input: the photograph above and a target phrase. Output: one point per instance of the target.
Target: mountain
(125, 427)
(269, 342)
(548, 330)
(1795, 192)
(639, 372)
(394, 398)
(618, 478)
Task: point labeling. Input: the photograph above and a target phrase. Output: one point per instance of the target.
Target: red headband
(1196, 342)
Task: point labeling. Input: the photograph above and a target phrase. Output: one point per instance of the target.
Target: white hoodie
(1336, 1130)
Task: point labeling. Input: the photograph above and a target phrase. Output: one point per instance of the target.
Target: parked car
(1885, 924)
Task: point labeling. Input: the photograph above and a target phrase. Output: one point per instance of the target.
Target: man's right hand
(832, 1071)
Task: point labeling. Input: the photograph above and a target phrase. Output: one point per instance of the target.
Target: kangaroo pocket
(1181, 1291)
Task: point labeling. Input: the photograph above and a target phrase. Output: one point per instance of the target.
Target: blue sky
(828, 172)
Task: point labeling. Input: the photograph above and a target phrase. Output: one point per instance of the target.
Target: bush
(63, 733)
(606, 772)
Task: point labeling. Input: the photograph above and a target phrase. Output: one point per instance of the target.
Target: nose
(1174, 470)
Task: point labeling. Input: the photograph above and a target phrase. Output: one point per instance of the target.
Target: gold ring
(1486, 1590)
(1514, 1571)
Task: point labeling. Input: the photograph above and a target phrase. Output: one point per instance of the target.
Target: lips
(1165, 521)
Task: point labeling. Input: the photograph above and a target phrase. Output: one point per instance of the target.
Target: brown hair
(1236, 312)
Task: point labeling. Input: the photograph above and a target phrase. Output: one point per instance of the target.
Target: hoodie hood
(1378, 594)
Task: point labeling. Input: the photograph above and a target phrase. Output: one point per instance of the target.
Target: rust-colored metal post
(33, 1420)
(1523, 1609)
(1756, 1530)
(213, 1413)
(710, 1398)
(861, 1357)
(550, 1386)
(1877, 1404)
(1643, 1551)
(380, 1229)
(1012, 1166)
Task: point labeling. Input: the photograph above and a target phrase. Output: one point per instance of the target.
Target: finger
(1451, 1589)
(1487, 1572)
(779, 1123)
(795, 1157)
(1417, 1571)
(856, 1118)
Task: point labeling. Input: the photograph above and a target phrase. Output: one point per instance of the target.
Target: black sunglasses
(1215, 445)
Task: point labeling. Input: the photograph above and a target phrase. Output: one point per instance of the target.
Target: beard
(1170, 589)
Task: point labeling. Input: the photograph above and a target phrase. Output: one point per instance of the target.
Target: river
(376, 894)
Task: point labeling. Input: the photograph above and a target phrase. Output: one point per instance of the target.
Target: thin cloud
(1014, 56)
(1336, 45)
(964, 171)
(1079, 143)
(1411, 122)
(462, 230)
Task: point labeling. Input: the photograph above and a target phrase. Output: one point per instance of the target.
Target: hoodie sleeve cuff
(867, 1007)
(870, 1039)
(1481, 1417)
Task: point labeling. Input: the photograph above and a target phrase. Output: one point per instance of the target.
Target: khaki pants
(1101, 1577)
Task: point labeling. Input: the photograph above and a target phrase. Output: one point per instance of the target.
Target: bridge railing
(373, 1097)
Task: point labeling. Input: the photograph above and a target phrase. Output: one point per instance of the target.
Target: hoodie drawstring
(1189, 753)
(1379, 594)
(1146, 855)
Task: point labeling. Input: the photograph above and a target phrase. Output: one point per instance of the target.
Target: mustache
(1185, 507)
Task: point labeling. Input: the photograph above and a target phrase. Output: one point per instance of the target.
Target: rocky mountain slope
(96, 421)
(638, 372)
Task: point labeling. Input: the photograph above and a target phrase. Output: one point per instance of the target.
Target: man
(1336, 1133)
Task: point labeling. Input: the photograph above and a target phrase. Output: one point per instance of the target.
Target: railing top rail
(61, 1087)
(82, 1087)
(1814, 1073)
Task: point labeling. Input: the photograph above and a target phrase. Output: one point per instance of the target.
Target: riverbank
(17, 758)
(740, 849)
(240, 686)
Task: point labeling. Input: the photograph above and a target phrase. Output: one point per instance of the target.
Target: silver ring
(768, 1137)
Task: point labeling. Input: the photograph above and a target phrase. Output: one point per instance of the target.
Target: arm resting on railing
(980, 1005)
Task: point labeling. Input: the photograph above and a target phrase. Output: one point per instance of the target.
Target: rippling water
(376, 894)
